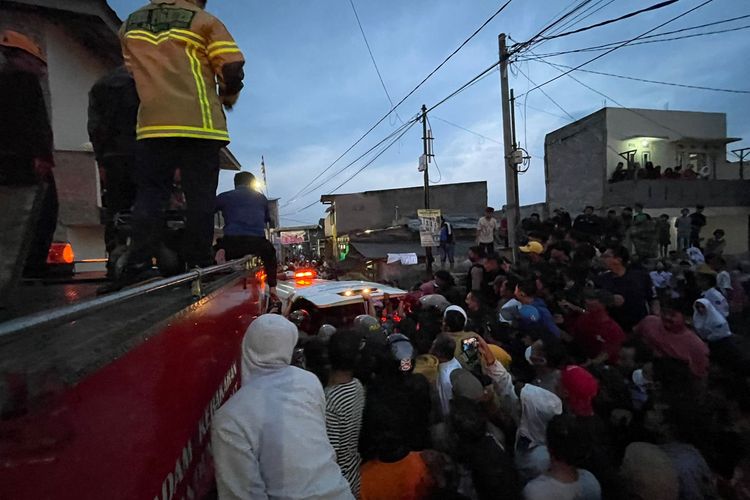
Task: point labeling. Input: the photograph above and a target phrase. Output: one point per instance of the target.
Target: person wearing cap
(26, 144)
(251, 444)
(526, 293)
(454, 325)
(579, 388)
(533, 251)
(487, 226)
(397, 401)
(187, 70)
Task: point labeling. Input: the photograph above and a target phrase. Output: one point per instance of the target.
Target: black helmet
(326, 331)
(434, 300)
(364, 324)
(301, 318)
(402, 352)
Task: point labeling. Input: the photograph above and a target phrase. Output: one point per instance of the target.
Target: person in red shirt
(598, 336)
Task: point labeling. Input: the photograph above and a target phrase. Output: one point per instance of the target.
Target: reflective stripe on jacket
(177, 54)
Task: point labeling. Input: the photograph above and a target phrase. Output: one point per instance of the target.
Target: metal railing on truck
(62, 315)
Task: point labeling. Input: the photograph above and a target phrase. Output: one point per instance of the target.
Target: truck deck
(113, 396)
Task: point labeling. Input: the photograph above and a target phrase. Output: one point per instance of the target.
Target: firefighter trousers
(155, 165)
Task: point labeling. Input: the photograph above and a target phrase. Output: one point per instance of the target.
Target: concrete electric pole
(426, 156)
(511, 172)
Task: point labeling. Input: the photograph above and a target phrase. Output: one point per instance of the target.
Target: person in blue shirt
(526, 293)
(246, 214)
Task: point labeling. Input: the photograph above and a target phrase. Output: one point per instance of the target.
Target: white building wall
(72, 72)
(652, 131)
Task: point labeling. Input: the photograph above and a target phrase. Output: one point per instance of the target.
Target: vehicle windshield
(338, 316)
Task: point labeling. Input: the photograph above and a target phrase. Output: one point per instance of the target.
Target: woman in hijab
(269, 440)
(538, 406)
(708, 322)
(712, 327)
(669, 336)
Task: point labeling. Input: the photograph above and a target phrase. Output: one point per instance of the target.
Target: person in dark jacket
(246, 214)
(398, 400)
(26, 143)
(481, 454)
(112, 115)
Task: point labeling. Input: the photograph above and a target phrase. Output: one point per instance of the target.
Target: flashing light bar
(305, 274)
(60, 253)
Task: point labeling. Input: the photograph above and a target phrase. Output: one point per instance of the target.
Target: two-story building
(581, 160)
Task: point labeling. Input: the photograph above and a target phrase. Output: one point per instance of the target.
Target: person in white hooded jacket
(269, 440)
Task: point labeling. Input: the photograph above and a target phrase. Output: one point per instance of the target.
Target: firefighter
(186, 68)
(113, 110)
(26, 145)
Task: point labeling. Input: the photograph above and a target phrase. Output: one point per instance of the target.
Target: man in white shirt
(486, 228)
(444, 349)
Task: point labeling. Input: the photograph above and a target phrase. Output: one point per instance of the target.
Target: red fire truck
(112, 397)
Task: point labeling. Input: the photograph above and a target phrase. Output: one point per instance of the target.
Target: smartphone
(470, 347)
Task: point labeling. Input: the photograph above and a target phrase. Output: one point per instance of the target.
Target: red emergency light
(305, 274)
(60, 253)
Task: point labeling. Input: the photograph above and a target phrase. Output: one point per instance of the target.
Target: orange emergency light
(305, 274)
(60, 253)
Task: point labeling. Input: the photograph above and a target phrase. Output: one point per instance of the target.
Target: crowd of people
(649, 171)
(575, 373)
(645, 236)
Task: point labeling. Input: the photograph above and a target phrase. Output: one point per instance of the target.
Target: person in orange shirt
(397, 474)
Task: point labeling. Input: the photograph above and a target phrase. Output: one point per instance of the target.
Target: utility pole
(426, 153)
(511, 172)
(741, 154)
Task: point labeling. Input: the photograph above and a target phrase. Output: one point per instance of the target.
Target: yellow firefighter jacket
(177, 54)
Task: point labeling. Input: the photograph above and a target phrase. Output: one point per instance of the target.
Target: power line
(672, 84)
(647, 39)
(372, 58)
(497, 12)
(541, 110)
(621, 45)
(610, 21)
(341, 170)
(546, 95)
(409, 124)
(467, 130)
(578, 19)
(605, 47)
(645, 117)
(534, 38)
(481, 76)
